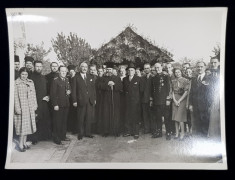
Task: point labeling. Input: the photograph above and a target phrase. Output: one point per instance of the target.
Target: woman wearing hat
(25, 103)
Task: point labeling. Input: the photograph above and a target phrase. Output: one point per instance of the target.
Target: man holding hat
(111, 87)
(29, 65)
(132, 87)
(17, 66)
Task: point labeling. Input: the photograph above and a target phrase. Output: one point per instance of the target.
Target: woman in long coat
(179, 94)
(25, 104)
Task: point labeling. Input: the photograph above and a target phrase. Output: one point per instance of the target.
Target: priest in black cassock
(72, 115)
(43, 119)
(111, 87)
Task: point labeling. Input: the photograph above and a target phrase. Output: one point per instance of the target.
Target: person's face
(153, 71)
(131, 71)
(185, 66)
(17, 66)
(109, 71)
(24, 75)
(201, 68)
(54, 67)
(92, 70)
(147, 69)
(72, 73)
(84, 68)
(208, 72)
(169, 68)
(29, 65)
(158, 68)
(100, 72)
(38, 67)
(63, 72)
(115, 72)
(189, 72)
(214, 63)
(138, 73)
(122, 72)
(178, 73)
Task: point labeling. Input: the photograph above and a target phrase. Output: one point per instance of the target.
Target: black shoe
(136, 136)
(66, 139)
(58, 142)
(80, 137)
(34, 142)
(89, 136)
(105, 135)
(126, 135)
(168, 136)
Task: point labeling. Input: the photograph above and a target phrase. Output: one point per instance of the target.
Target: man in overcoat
(160, 89)
(200, 100)
(145, 97)
(59, 94)
(84, 98)
(132, 88)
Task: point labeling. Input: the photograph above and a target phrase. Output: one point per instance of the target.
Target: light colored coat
(25, 104)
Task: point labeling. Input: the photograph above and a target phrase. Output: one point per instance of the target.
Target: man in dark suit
(17, 66)
(200, 101)
(84, 98)
(59, 95)
(159, 92)
(132, 88)
(145, 98)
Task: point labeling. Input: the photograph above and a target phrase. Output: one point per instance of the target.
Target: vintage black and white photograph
(115, 88)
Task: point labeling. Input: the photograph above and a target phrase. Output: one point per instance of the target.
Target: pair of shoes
(26, 147)
(66, 139)
(105, 135)
(57, 142)
(34, 142)
(89, 136)
(176, 137)
(136, 136)
(168, 136)
(157, 135)
(126, 135)
(80, 137)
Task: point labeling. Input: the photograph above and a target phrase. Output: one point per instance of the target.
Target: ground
(122, 149)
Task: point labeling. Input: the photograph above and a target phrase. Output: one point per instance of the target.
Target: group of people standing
(109, 101)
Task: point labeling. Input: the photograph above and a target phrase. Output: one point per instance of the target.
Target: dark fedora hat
(28, 58)
(131, 65)
(16, 58)
(109, 64)
(71, 67)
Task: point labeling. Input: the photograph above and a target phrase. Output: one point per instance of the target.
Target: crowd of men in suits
(117, 100)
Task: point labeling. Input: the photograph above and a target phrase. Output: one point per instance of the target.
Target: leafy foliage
(37, 51)
(129, 45)
(71, 49)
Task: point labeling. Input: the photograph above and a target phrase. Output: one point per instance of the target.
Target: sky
(190, 33)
